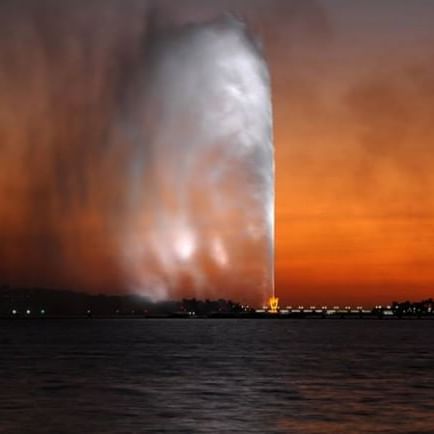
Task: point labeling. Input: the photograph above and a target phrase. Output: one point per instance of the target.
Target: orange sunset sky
(353, 103)
(355, 156)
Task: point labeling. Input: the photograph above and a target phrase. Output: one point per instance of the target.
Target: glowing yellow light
(273, 304)
(185, 245)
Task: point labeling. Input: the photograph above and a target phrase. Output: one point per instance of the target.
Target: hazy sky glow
(353, 101)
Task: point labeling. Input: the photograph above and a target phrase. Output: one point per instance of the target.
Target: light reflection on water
(217, 376)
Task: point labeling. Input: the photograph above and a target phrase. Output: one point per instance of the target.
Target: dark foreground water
(217, 376)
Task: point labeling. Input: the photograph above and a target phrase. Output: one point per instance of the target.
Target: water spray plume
(200, 211)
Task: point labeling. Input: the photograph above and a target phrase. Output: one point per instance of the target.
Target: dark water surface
(217, 376)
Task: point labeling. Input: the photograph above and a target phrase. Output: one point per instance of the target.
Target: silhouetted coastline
(47, 303)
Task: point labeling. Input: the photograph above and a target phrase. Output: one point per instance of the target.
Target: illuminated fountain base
(273, 305)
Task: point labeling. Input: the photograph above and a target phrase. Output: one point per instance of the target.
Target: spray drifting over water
(200, 211)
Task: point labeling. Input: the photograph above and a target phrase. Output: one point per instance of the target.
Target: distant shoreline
(31, 304)
(222, 317)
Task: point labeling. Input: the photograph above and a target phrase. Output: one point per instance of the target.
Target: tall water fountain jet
(200, 214)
